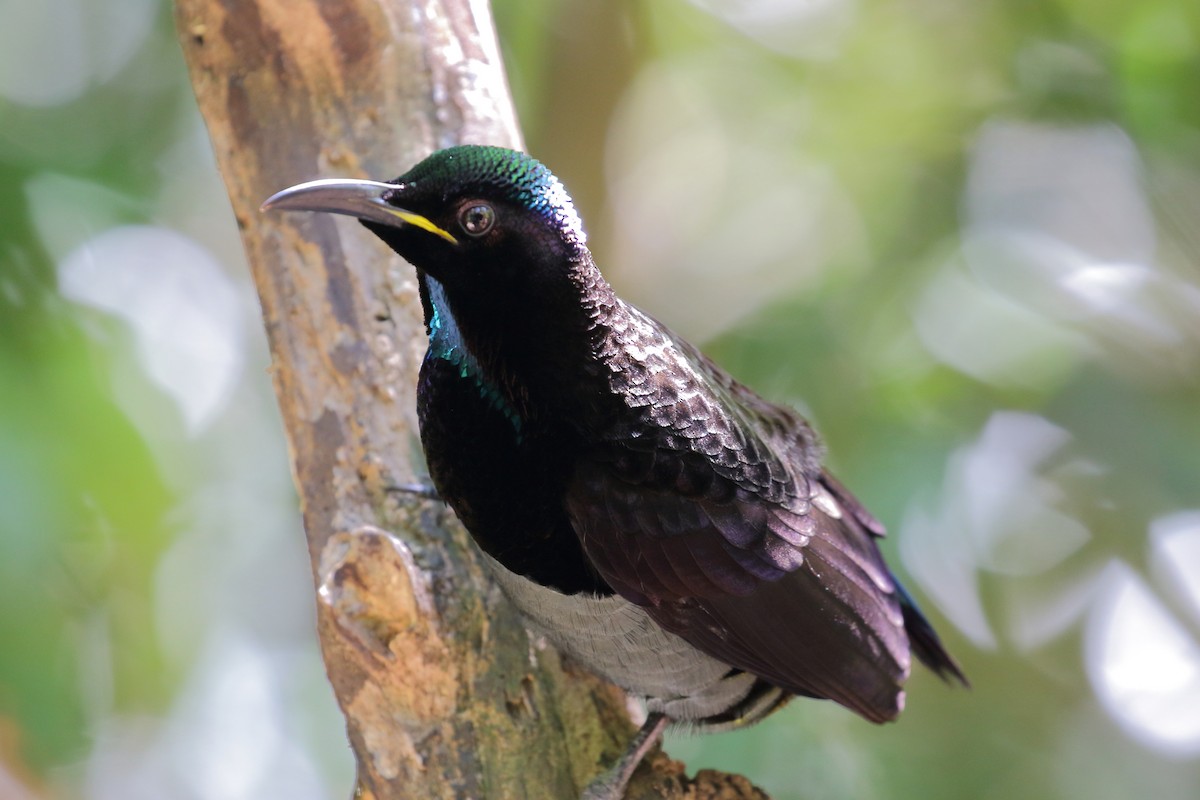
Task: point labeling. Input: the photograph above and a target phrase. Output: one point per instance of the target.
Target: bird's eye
(477, 220)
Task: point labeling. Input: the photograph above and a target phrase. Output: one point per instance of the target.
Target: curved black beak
(362, 199)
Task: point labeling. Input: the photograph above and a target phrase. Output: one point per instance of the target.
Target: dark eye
(477, 220)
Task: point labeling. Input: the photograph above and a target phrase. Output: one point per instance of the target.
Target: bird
(652, 517)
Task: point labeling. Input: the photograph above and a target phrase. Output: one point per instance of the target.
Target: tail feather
(925, 642)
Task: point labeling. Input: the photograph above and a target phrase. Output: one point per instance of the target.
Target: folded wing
(793, 591)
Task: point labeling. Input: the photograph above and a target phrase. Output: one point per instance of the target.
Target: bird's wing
(793, 590)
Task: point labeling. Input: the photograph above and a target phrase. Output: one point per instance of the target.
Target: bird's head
(479, 220)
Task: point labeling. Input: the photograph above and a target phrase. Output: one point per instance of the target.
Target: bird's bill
(352, 197)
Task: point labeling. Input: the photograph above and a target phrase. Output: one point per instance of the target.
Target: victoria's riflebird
(655, 519)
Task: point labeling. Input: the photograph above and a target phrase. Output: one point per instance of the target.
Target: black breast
(504, 477)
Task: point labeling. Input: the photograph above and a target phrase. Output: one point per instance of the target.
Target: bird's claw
(425, 491)
(611, 784)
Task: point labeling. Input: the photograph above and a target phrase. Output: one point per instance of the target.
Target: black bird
(654, 518)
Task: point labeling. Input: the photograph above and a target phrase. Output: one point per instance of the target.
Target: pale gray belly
(617, 640)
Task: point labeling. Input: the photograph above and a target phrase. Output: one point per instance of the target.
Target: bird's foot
(610, 785)
(425, 491)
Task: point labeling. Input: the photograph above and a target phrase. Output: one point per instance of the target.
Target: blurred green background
(963, 237)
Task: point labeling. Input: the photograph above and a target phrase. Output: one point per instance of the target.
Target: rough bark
(443, 693)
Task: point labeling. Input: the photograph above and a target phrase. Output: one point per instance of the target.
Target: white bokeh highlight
(1144, 664)
(806, 29)
(182, 307)
(997, 513)
(1175, 555)
(986, 335)
(53, 51)
(1057, 219)
(230, 736)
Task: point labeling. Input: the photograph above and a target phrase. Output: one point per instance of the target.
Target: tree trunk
(444, 695)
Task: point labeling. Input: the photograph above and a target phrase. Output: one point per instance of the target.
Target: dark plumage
(656, 519)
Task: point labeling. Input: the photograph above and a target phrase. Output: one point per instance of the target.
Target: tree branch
(444, 695)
